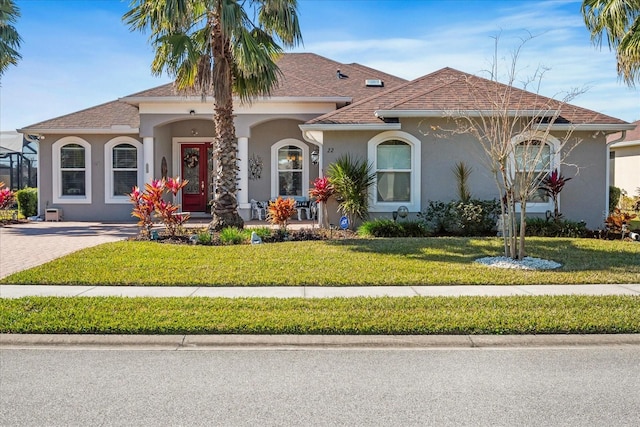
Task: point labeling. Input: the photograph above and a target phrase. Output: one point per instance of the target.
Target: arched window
(123, 168)
(71, 180)
(395, 157)
(533, 164)
(290, 169)
(535, 156)
(393, 171)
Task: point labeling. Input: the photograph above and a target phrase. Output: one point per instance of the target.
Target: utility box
(53, 214)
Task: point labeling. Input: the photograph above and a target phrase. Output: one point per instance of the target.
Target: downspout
(607, 169)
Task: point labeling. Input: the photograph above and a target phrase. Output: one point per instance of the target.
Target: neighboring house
(625, 161)
(93, 157)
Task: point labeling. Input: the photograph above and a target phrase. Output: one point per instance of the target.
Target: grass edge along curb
(513, 315)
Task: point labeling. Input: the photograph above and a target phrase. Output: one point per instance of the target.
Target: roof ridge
(371, 98)
(425, 91)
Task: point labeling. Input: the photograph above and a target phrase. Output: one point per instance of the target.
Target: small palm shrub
(351, 179)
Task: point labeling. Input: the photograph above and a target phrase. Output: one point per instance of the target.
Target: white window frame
(109, 198)
(414, 203)
(56, 178)
(305, 165)
(554, 155)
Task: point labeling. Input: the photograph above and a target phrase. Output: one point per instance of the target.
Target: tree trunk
(224, 207)
(523, 228)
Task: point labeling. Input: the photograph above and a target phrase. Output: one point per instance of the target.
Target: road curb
(212, 342)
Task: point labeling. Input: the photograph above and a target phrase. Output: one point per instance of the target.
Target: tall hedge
(27, 201)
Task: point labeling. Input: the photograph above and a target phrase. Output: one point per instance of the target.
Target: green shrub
(614, 197)
(413, 229)
(204, 237)
(27, 201)
(381, 228)
(389, 228)
(540, 227)
(233, 236)
(263, 232)
(473, 218)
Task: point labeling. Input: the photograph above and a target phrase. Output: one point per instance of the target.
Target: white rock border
(527, 263)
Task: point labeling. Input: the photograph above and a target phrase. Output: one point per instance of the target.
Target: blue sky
(77, 54)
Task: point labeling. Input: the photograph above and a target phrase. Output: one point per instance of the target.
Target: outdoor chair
(258, 210)
(303, 205)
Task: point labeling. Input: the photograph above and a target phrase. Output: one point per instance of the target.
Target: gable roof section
(304, 75)
(447, 91)
(111, 117)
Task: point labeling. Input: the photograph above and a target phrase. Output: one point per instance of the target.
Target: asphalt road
(587, 386)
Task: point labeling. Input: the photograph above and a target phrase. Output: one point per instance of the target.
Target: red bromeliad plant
(552, 185)
(6, 196)
(151, 201)
(322, 190)
(281, 210)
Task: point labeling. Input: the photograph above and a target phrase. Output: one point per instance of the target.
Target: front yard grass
(354, 262)
(353, 316)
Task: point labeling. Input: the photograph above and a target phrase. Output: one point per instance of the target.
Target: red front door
(194, 168)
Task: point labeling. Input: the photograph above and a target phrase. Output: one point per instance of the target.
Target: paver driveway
(27, 245)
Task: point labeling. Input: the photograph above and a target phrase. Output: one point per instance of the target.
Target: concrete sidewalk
(18, 291)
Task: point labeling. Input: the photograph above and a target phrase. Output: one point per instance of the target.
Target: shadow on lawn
(588, 254)
(463, 250)
(573, 254)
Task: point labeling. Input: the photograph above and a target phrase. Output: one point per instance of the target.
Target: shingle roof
(632, 135)
(304, 75)
(103, 116)
(449, 90)
(311, 75)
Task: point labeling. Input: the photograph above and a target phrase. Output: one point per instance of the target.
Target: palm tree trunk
(225, 203)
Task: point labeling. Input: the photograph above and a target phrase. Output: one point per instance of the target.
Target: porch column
(243, 173)
(147, 156)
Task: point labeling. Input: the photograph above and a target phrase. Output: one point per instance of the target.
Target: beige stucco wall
(627, 168)
(582, 199)
(263, 136)
(97, 210)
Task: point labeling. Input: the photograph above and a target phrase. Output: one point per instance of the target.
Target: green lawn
(354, 316)
(414, 261)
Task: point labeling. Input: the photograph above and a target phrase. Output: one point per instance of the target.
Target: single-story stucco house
(625, 159)
(321, 109)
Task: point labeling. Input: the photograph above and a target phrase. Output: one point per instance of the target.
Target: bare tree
(513, 128)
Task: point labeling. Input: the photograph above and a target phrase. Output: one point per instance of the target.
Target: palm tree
(9, 37)
(215, 47)
(619, 20)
